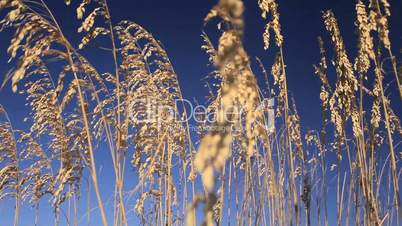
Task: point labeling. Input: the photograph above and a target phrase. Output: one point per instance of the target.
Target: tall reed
(253, 165)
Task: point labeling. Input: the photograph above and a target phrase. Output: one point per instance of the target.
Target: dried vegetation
(258, 174)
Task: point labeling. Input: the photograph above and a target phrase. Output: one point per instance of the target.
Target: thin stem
(85, 119)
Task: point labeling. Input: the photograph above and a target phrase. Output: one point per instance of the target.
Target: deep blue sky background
(178, 25)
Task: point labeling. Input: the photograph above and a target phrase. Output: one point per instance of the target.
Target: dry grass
(250, 176)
